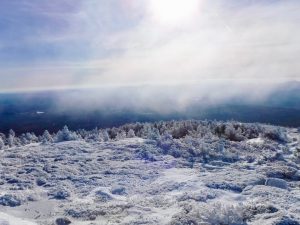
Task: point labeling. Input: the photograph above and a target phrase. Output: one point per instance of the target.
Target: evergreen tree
(66, 135)
(2, 144)
(11, 138)
(131, 134)
(105, 135)
(46, 137)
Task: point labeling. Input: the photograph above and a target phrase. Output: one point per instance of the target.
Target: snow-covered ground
(135, 181)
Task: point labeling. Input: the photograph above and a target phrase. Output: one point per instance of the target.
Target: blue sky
(34, 31)
(66, 43)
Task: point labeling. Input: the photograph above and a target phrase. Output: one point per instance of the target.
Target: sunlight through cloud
(173, 12)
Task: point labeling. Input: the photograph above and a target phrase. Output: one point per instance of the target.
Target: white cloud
(127, 46)
(259, 41)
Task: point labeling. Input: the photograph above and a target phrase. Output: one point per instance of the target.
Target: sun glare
(173, 12)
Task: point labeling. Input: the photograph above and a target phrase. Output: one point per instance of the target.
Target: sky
(62, 44)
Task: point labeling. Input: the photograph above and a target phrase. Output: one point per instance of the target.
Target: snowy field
(191, 174)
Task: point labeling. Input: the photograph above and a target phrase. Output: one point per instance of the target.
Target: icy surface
(138, 181)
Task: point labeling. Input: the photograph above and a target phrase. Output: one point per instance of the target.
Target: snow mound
(276, 182)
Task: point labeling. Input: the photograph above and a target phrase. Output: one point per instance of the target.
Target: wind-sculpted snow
(168, 173)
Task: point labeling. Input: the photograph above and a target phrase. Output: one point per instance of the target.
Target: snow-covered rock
(62, 221)
(276, 182)
(9, 200)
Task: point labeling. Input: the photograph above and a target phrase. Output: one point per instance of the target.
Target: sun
(173, 12)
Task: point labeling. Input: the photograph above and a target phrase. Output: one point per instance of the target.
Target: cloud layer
(67, 44)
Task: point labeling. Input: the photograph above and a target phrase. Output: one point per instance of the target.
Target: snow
(258, 141)
(141, 181)
(6, 219)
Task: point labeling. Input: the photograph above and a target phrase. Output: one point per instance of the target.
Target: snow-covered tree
(297, 153)
(11, 138)
(221, 145)
(131, 133)
(65, 135)
(121, 135)
(275, 134)
(2, 144)
(105, 135)
(46, 137)
(3, 137)
(31, 137)
(12, 133)
(28, 138)
(146, 130)
(23, 140)
(165, 142)
(232, 133)
(154, 134)
(93, 135)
